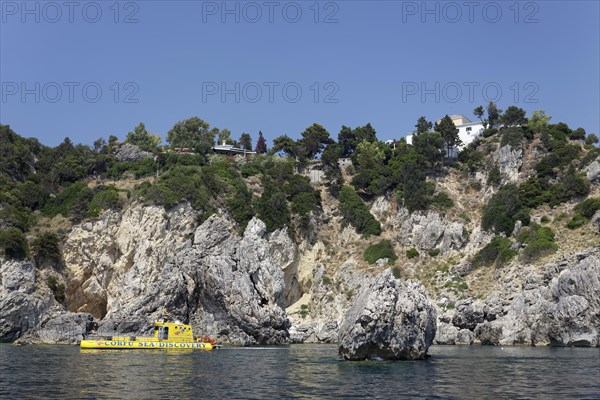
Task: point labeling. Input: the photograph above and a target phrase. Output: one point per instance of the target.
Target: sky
(90, 69)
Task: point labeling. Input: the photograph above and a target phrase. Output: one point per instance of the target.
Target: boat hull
(142, 345)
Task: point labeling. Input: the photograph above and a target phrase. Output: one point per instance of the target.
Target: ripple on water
(297, 371)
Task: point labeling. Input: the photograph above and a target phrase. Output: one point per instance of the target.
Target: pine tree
(261, 144)
(449, 133)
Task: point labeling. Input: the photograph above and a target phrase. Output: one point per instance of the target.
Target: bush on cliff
(503, 210)
(46, 247)
(496, 252)
(539, 242)
(14, 244)
(382, 249)
(356, 213)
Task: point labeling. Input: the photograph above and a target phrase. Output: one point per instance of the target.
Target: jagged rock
(130, 152)
(575, 310)
(428, 230)
(488, 333)
(60, 327)
(126, 268)
(446, 333)
(509, 161)
(22, 304)
(558, 306)
(593, 171)
(328, 333)
(468, 314)
(110, 260)
(389, 320)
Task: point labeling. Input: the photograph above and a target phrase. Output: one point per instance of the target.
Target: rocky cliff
(127, 267)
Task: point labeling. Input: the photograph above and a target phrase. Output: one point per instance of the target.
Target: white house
(467, 131)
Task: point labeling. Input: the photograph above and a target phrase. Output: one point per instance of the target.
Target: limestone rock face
(593, 171)
(559, 306)
(390, 320)
(228, 287)
(130, 152)
(427, 231)
(509, 161)
(21, 305)
(60, 327)
(110, 260)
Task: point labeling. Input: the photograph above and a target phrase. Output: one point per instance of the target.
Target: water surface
(297, 371)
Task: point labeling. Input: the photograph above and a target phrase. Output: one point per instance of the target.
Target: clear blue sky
(375, 61)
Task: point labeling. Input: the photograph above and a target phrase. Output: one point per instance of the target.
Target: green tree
(430, 145)
(423, 125)
(314, 139)
(349, 138)
(514, 116)
(591, 139)
(479, 114)
(190, 133)
(493, 113)
(286, 145)
(538, 121)
(449, 133)
(224, 136)
(141, 138)
(246, 141)
(370, 155)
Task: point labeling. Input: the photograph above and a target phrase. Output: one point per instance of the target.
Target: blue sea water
(297, 371)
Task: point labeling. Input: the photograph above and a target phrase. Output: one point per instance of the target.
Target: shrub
(240, 204)
(588, 207)
(489, 132)
(14, 243)
(576, 221)
(383, 249)
(47, 247)
(434, 252)
(539, 241)
(273, 208)
(326, 280)
(356, 213)
(442, 201)
(544, 219)
(396, 272)
(496, 252)
(503, 209)
(494, 177)
(512, 137)
(104, 199)
(58, 289)
(583, 212)
(412, 253)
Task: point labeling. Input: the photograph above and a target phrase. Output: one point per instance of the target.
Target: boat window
(163, 333)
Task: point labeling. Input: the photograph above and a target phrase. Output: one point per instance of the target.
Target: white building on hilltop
(467, 132)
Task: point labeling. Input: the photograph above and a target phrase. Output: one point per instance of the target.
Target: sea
(297, 372)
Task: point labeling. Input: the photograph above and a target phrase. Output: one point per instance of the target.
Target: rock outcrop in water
(391, 320)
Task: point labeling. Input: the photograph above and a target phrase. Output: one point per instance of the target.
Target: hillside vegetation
(44, 190)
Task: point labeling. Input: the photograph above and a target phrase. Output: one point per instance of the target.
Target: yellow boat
(167, 335)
